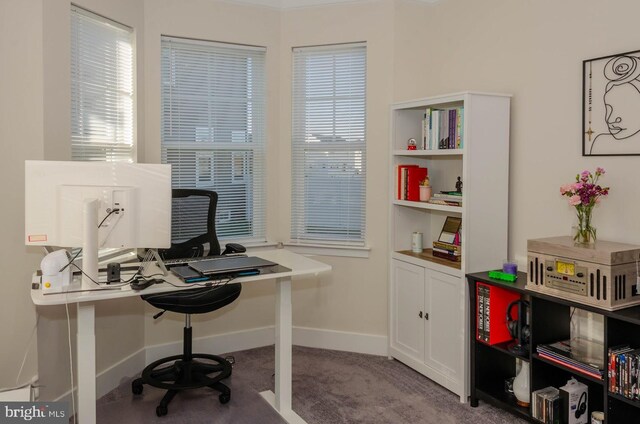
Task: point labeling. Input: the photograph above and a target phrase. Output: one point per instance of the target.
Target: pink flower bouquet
(584, 194)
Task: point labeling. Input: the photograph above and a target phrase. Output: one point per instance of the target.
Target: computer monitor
(97, 205)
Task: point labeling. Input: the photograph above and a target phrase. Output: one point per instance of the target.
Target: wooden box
(602, 275)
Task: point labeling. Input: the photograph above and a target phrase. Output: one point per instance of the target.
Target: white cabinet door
(444, 337)
(407, 309)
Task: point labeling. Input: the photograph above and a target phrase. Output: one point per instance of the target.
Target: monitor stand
(90, 242)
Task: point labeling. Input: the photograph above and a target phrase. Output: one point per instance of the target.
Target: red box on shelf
(491, 313)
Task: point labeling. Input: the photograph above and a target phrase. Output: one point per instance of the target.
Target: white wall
(119, 325)
(533, 50)
(222, 22)
(21, 137)
(354, 297)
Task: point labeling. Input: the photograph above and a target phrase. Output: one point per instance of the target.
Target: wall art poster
(611, 105)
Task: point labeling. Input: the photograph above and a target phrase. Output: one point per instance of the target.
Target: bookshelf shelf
(550, 320)
(506, 401)
(421, 284)
(427, 153)
(427, 255)
(428, 206)
(504, 348)
(567, 369)
(634, 403)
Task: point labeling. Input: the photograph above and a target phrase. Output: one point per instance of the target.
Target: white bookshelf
(428, 296)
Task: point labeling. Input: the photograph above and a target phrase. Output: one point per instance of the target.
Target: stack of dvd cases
(545, 405)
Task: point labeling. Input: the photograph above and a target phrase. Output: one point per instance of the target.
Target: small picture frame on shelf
(450, 229)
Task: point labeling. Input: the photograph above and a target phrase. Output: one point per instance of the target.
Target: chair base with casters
(189, 370)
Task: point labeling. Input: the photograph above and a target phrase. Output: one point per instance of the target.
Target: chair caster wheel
(161, 410)
(136, 387)
(224, 398)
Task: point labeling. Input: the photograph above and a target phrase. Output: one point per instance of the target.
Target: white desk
(86, 346)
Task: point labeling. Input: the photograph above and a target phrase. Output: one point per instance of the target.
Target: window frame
(301, 239)
(80, 149)
(204, 146)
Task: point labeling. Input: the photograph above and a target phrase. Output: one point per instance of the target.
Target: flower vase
(425, 193)
(583, 232)
(521, 385)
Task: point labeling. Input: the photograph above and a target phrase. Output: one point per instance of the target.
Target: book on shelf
(623, 370)
(426, 130)
(491, 307)
(443, 202)
(450, 253)
(415, 175)
(402, 180)
(449, 247)
(443, 128)
(452, 128)
(578, 354)
(447, 256)
(409, 179)
(448, 196)
(435, 128)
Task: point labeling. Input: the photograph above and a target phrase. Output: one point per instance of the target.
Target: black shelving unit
(550, 321)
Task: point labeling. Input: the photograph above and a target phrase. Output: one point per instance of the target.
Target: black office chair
(191, 370)
(199, 207)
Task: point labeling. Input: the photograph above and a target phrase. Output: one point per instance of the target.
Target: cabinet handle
(420, 314)
(426, 316)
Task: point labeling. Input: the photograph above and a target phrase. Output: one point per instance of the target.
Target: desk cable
(24, 360)
(116, 210)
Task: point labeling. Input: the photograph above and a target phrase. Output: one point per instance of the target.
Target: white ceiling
(292, 4)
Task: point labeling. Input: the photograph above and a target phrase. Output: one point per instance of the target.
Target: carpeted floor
(329, 387)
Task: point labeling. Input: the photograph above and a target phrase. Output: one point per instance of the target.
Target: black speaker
(113, 272)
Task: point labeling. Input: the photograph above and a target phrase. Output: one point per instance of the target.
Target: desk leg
(86, 360)
(281, 400)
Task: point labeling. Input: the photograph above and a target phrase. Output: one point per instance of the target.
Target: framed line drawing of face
(611, 105)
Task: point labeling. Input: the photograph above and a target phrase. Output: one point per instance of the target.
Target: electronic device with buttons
(602, 274)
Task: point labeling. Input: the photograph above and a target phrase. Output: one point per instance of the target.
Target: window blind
(213, 107)
(102, 97)
(329, 145)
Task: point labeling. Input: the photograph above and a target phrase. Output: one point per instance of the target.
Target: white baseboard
(340, 340)
(111, 377)
(216, 344)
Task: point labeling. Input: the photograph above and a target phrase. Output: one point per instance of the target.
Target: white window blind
(329, 146)
(102, 97)
(213, 107)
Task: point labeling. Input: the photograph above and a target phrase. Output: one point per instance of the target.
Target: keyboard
(170, 263)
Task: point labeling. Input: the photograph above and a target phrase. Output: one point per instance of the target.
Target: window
(102, 98)
(329, 146)
(213, 102)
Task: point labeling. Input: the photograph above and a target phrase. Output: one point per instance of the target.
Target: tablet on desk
(188, 274)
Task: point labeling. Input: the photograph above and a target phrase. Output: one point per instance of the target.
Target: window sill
(254, 245)
(328, 250)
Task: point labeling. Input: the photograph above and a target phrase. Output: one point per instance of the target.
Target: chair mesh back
(188, 217)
